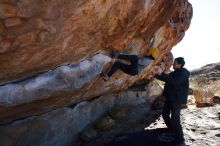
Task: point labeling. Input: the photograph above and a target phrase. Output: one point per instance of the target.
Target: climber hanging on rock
(137, 63)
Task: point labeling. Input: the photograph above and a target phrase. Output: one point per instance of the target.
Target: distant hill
(207, 77)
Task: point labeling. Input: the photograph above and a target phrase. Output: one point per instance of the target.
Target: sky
(201, 43)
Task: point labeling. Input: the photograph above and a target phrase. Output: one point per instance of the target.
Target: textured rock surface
(38, 39)
(45, 34)
(64, 78)
(62, 127)
(51, 55)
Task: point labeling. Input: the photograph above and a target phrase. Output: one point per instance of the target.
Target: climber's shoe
(105, 77)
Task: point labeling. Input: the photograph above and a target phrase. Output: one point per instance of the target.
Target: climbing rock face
(63, 126)
(52, 52)
(61, 79)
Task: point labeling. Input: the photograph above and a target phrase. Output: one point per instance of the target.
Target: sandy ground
(201, 126)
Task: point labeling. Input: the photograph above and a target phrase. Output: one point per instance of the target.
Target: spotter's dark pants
(171, 116)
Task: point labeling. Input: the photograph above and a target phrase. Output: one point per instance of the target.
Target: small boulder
(203, 98)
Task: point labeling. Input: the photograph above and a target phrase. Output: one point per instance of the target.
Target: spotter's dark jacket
(176, 86)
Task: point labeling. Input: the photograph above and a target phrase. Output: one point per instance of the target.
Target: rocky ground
(201, 128)
(201, 125)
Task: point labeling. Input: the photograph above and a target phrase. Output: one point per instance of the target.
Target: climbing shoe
(105, 77)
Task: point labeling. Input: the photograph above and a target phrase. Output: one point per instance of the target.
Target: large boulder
(107, 115)
(52, 52)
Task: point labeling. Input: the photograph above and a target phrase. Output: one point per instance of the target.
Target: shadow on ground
(153, 137)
